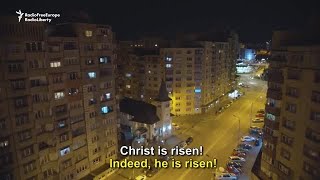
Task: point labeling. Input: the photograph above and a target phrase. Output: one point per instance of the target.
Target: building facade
(140, 72)
(291, 148)
(198, 75)
(58, 118)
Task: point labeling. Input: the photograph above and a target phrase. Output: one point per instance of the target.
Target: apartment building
(58, 118)
(140, 72)
(198, 74)
(199, 71)
(291, 148)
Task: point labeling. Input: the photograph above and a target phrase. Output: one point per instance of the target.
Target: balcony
(17, 92)
(273, 110)
(37, 71)
(312, 137)
(55, 53)
(270, 138)
(271, 124)
(17, 74)
(274, 94)
(61, 114)
(270, 152)
(43, 87)
(281, 174)
(277, 62)
(78, 132)
(276, 77)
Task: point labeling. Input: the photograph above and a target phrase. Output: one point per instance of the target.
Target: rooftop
(141, 111)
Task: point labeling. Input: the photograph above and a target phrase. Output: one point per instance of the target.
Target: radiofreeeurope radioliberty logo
(36, 17)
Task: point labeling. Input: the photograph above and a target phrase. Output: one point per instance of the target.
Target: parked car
(232, 169)
(245, 146)
(260, 115)
(257, 142)
(235, 164)
(189, 140)
(238, 153)
(183, 144)
(247, 139)
(241, 150)
(255, 130)
(226, 176)
(261, 111)
(237, 159)
(175, 126)
(257, 120)
(141, 177)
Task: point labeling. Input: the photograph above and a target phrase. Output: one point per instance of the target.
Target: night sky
(253, 20)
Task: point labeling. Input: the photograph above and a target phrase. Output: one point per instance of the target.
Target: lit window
(169, 59)
(197, 90)
(168, 65)
(105, 97)
(128, 75)
(104, 60)
(271, 117)
(89, 62)
(108, 95)
(4, 143)
(92, 75)
(92, 101)
(106, 110)
(73, 91)
(65, 151)
(58, 95)
(55, 64)
(61, 123)
(88, 33)
(128, 86)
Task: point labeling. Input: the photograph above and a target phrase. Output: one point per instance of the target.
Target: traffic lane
(215, 123)
(228, 130)
(244, 131)
(216, 150)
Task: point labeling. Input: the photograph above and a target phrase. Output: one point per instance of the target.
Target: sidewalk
(172, 142)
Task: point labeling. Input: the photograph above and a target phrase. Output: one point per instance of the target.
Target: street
(218, 134)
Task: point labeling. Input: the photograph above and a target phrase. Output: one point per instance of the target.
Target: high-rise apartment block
(139, 73)
(57, 100)
(198, 73)
(291, 148)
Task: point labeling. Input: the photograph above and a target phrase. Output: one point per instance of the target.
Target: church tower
(162, 102)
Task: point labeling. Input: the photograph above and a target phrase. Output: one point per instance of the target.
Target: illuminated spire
(163, 93)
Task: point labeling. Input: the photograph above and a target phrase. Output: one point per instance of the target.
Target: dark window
(286, 139)
(315, 96)
(291, 107)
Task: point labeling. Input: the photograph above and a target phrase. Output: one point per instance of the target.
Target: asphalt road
(218, 134)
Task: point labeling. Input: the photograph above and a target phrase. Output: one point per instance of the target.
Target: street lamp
(239, 124)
